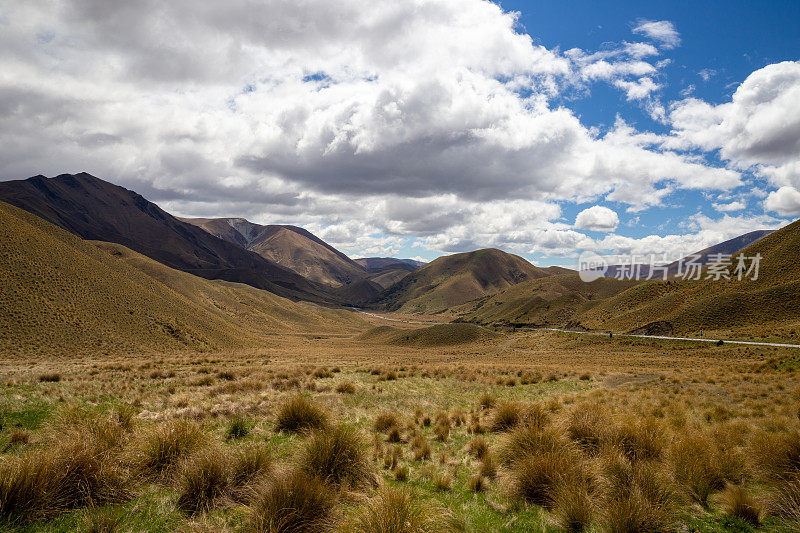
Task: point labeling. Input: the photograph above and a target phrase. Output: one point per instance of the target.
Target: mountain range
(91, 235)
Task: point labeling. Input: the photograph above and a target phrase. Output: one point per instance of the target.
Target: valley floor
(526, 431)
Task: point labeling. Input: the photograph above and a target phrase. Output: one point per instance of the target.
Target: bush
(166, 444)
(204, 478)
(394, 511)
(295, 502)
(300, 414)
(506, 416)
(337, 456)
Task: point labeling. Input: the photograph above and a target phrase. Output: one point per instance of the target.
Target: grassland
(525, 431)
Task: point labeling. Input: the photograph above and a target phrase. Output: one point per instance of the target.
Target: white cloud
(759, 127)
(662, 31)
(785, 201)
(639, 89)
(736, 205)
(597, 218)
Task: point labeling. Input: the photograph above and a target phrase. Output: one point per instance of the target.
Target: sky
(416, 128)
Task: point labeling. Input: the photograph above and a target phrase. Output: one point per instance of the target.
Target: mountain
(768, 306)
(379, 263)
(60, 294)
(706, 256)
(552, 301)
(289, 246)
(95, 209)
(386, 271)
(455, 279)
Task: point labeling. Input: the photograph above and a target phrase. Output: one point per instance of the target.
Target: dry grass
(336, 455)
(293, 502)
(300, 414)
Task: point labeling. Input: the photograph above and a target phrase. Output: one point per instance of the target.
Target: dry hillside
(61, 294)
(456, 279)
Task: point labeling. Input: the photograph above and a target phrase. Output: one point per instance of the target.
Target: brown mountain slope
(62, 295)
(95, 209)
(456, 279)
(766, 307)
(289, 246)
(551, 301)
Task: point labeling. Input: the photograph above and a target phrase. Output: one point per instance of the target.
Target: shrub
(337, 456)
(385, 421)
(346, 387)
(295, 502)
(166, 444)
(394, 511)
(203, 479)
(506, 416)
(300, 414)
(737, 502)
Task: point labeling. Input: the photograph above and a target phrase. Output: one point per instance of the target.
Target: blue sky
(418, 128)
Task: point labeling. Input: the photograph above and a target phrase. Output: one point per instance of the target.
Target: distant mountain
(98, 210)
(767, 306)
(289, 246)
(386, 271)
(380, 263)
(67, 296)
(455, 279)
(703, 257)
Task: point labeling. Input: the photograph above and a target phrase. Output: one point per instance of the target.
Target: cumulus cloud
(785, 201)
(759, 127)
(369, 123)
(736, 205)
(597, 218)
(662, 31)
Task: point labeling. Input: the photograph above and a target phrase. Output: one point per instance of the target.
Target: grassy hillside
(438, 335)
(766, 307)
(61, 294)
(456, 279)
(550, 301)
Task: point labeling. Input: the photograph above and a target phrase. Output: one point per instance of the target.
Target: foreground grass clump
(203, 480)
(293, 502)
(395, 511)
(337, 456)
(166, 444)
(300, 414)
(67, 476)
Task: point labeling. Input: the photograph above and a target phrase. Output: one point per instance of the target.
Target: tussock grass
(70, 475)
(293, 502)
(238, 428)
(337, 456)
(300, 414)
(385, 421)
(203, 480)
(506, 416)
(572, 506)
(736, 501)
(165, 445)
(395, 511)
